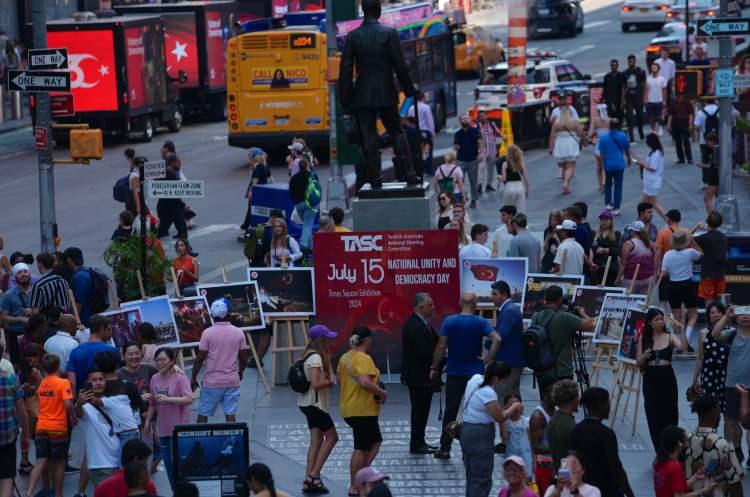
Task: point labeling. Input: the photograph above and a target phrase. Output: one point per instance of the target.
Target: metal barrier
(16, 105)
(2, 104)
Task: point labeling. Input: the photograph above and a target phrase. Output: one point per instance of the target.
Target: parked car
(643, 13)
(554, 17)
(542, 77)
(697, 10)
(476, 49)
(672, 37)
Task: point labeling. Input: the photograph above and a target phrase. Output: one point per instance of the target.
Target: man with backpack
(90, 287)
(305, 191)
(707, 122)
(548, 342)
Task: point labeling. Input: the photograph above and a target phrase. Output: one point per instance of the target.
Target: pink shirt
(170, 415)
(222, 342)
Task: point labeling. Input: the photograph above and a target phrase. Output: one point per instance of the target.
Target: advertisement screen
(145, 63)
(217, 34)
(91, 62)
(370, 278)
(182, 47)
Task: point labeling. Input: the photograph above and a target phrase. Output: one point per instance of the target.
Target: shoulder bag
(453, 429)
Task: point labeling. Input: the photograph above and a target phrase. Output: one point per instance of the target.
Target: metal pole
(337, 193)
(16, 105)
(726, 203)
(43, 120)
(517, 43)
(2, 103)
(687, 33)
(142, 200)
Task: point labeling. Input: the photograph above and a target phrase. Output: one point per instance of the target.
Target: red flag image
(91, 62)
(483, 272)
(181, 47)
(217, 34)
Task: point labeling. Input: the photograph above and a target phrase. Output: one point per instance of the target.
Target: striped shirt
(49, 291)
(489, 134)
(9, 393)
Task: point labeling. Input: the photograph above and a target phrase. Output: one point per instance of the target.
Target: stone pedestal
(393, 212)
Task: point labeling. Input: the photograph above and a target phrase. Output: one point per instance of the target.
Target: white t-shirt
(102, 450)
(450, 170)
(666, 68)
(654, 87)
(570, 257)
(701, 116)
(317, 398)
(474, 250)
(476, 400)
(652, 179)
(556, 113)
(61, 344)
(584, 490)
(121, 413)
(678, 264)
(502, 237)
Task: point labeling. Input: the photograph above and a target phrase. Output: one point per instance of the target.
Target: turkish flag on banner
(181, 47)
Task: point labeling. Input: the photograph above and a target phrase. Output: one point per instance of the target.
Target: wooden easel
(605, 359)
(74, 307)
(631, 385)
(488, 312)
(289, 348)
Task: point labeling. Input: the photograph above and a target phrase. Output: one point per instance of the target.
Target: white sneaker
(608, 207)
(615, 212)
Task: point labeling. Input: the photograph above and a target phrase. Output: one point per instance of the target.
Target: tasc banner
(370, 278)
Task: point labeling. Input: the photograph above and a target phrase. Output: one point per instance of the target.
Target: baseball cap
(255, 152)
(515, 460)
(567, 225)
(219, 309)
(321, 331)
(362, 332)
(21, 266)
(606, 214)
(636, 226)
(296, 146)
(369, 474)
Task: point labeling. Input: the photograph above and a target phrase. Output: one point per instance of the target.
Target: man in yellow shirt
(337, 214)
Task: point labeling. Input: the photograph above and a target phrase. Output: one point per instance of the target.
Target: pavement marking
(596, 24)
(576, 51)
(209, 230)
(216, 273)
(15, 154)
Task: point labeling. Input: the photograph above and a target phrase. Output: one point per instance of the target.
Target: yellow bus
(277, 88)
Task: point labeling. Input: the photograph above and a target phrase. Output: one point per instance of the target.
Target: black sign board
(48, 58)
(44, 81)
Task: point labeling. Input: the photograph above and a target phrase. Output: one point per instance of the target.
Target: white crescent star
(78, 77)
(179, 50)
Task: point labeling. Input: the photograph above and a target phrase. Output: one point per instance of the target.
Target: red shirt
(115, 486)
(669, 479)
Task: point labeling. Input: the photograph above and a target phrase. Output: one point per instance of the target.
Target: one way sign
(44, 81)
(724, 26)
(48, 58)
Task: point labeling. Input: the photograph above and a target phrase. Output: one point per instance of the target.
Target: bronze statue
(375, 51)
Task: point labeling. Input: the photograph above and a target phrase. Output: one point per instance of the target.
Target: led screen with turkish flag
(181, 47)
(370, 278)
(91, 62)
(144, 50)
(217, 34)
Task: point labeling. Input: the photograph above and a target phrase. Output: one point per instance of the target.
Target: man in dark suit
(375, 51)
(418, 345)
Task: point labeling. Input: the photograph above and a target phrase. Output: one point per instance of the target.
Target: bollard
(2, 104)
(16, 107)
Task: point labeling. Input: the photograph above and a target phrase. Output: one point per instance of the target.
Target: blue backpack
(121, 190)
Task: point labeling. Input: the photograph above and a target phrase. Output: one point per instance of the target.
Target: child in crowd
(29, 378)
(147, 334)
(517, 441)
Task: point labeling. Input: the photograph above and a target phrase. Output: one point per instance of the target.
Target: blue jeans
(478, 446)
(610, 178)
(165, 447)
(308, 220)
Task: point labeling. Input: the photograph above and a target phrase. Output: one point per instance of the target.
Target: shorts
(710, 288)
(52, 445)
(98, 475)
(317, 418)
(211, 397)
(664, 290)
(682, 292)
(366, 431)
(732, 399)
(8, 461)
(653, 110)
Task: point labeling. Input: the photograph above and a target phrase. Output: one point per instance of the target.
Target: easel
(289, 348)
(487, 312)
(74, 306)
(606, 353)
(631, 385)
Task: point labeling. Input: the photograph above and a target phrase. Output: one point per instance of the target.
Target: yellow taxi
(476, 49)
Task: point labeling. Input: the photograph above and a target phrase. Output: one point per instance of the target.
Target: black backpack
(537, 348)
(711, 124)
(296, 376)
(99, 291)
(121, 190)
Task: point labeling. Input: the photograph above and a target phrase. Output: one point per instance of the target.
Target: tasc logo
(362, 243)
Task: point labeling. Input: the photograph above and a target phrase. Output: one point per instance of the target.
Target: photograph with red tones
(192, 317)
(478, 275)
(536, 284)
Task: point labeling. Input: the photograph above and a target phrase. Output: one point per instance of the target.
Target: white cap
(567, 225)
(296, 146)
(21, 266)
(219, 309)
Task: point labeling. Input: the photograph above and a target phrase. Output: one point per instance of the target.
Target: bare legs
(360, 459)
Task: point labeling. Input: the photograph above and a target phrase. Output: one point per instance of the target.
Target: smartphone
(87, 386)
(564, 473)
(711, 468)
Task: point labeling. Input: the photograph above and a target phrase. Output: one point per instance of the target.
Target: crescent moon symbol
(78, 77)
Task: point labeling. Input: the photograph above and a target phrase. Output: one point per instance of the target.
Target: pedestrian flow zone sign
(176, 189)
(726, 26)
(154, 169)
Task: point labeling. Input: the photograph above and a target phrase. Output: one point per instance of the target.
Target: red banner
(182, 47)
(217, 34)
(370, 278)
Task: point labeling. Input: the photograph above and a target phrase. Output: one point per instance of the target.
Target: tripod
(579, 362)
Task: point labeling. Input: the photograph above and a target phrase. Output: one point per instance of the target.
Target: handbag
(453, 429)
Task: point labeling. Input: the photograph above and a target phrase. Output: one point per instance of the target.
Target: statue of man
(375, 51)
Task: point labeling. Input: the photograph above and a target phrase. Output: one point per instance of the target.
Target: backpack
(313, 192)
(711, 124)
(99, 291)
(121, 190)
(537, 348)
(253, 244)
(446, 182)
(296, 376)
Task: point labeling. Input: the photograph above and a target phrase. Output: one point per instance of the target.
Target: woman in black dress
(654, 353)
(710, 374)
(606, 246)
(551, 241)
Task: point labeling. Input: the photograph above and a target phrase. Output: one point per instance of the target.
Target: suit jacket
(375, 51)
(418, 343)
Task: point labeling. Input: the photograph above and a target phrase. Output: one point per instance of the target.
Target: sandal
(314, 486)
(25, 469)
(307, 484)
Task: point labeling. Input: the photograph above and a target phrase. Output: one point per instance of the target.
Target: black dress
(714, 372)
(613, 250)
(660, 395)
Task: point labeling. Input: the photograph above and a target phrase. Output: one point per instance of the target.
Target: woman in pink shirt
(171, 398)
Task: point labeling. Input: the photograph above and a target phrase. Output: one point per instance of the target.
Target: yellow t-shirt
(342, 229)
(353, 399)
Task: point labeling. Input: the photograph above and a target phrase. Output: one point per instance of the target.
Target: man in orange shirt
(664, 245)
(55, 414)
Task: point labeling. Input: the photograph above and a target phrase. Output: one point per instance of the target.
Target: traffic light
(688, 82)
(86, 144)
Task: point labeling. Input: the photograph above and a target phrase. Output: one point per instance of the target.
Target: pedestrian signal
(86, 144)
(688, 83)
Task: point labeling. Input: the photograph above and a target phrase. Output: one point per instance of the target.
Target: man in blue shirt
(614, 150)
(466, 141)
(510, 328)
(82, 285)
(81, 358)
(463, 335)
(16, 308)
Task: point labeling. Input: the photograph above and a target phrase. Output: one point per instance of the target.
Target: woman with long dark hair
(606, 246)
(710, 373)
(186, 267)
(260, 481)
(551, 241)
(654, 357)
(315, 404)
(653, 172)
(669, 475)
(445, 201)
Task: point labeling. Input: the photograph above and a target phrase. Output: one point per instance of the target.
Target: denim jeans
(613, 178)
(308, 220)
(165, 448)
(471, 170)
(478, 446)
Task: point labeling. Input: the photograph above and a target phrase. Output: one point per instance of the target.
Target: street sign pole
(142, 201)
(726, 203)
(337, 193)
(47, 220)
